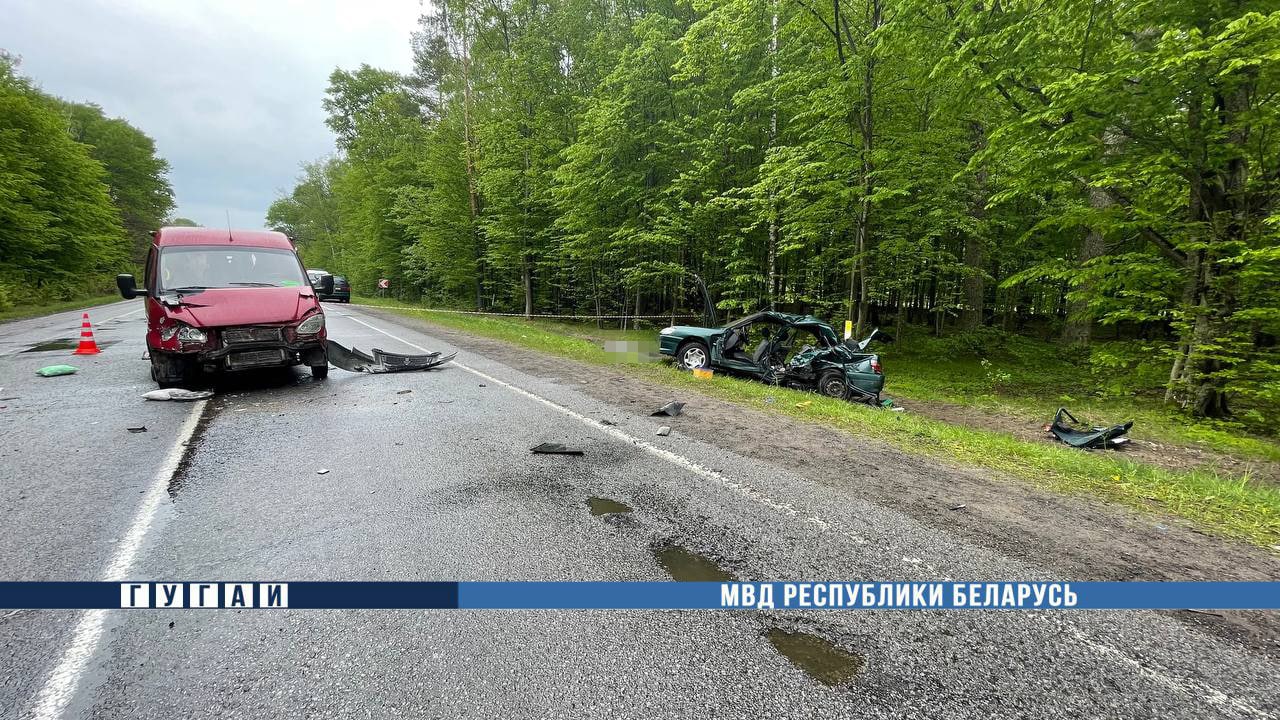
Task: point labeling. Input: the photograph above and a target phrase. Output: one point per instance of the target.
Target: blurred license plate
(253, 358)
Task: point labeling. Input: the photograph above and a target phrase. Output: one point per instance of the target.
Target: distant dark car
(341, 288)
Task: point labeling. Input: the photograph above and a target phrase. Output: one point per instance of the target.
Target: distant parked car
(341, 288)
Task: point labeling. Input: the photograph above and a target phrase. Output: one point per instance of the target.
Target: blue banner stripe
(640, 595)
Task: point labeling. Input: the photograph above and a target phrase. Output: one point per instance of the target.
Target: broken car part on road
(178, 394)
(352, 360)
(550, 448)
(1095, 438)
(671, 409)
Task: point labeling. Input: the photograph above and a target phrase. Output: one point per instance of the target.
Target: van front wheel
(170, 372)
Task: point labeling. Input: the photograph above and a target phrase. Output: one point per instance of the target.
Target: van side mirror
(326, 285)
(128, 287)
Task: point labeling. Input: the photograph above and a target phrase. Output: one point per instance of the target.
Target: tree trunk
(1078, 329)
(975, 285)
(526, 272)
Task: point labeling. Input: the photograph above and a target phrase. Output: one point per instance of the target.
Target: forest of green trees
(79, 194)
(1078, 169)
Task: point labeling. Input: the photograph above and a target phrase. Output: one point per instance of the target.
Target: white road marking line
(61, 685)
(1189, 686)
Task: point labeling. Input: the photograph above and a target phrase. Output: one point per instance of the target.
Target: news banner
(986, 595)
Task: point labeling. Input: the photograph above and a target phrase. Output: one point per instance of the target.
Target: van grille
(254, 358)
(238, 335)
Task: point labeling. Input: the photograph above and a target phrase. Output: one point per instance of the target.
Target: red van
(222, 300)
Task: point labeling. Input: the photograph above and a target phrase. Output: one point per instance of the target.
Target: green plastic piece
(54, 370)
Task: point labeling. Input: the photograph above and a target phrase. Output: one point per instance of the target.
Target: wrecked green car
(798, 351)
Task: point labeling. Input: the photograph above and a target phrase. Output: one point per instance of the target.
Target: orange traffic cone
(87, 345)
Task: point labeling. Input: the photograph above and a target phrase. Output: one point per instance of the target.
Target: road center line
(1192, 687)
(63, 681)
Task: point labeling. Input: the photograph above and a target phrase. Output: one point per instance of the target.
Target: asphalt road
(437, 483)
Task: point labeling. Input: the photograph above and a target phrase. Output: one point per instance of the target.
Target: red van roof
(214, 236)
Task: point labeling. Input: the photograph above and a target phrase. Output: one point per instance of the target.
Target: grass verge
(1233, 507)
(22, 312)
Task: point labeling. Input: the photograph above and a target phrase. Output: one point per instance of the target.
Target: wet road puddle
(686, 566)
(605, 506)
(818, 657)
(54, 345)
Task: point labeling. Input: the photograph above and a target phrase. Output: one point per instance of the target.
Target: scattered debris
(1204, 612)
(608, 422)
(353, 360)
(959, 507)
(403, 392)
(703, 373)
(322, 471)
(483, 385)
(663, 431)
(139, 429)
(1096, 438)
(56, 370)
(550, 448)
(804, 404)
(178, 394)
(671, 409)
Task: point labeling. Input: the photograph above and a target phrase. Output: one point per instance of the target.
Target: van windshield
(222, 267)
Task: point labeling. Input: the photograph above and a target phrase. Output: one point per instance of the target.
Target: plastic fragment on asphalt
(958, 507)
(178, 394)
(403, 392)
(139, 429)
(322, 471)
(663, 431)
(671, 409)
(56, 370)
(550, 448)
(353, 360)
(608, 422)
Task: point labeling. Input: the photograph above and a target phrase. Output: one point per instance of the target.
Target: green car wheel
(834, 384)
(693, 355)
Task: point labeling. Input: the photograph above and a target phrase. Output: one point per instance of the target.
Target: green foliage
(78, 193)
(58, 225)
(1078, 168)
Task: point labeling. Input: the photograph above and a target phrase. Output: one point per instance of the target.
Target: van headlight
(184, 332)
(311, 325)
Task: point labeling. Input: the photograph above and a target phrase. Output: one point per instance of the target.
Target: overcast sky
(229, 89)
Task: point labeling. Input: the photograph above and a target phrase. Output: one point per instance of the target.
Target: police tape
(815, 595)
(534, 317)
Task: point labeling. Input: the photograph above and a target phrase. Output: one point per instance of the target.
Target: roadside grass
(1233, 507)
(22, 312)
(1027, 379)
